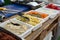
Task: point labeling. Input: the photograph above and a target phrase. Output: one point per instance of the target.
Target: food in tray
(2, 8)
(15, 28)
(37, 14)
(47, 11)
(22, 18)
(52, 6)
(32, 20)
(5, 36)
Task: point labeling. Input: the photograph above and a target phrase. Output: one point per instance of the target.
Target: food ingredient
(37, 14)
(32, 20)
(52, 6)
(17, 29)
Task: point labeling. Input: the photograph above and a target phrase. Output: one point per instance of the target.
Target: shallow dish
(36, 26)
(23, 35)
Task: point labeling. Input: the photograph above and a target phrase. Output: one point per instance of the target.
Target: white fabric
(48, 37)
(33, 3)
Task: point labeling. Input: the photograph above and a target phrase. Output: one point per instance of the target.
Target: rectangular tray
(45, 19)
(34, 27)
(51, 12)
(23, 35)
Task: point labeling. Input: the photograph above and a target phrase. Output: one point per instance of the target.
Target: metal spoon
(15, 24)
(21, 14)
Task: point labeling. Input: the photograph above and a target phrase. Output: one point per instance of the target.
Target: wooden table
(48, 26)
(59, 17)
